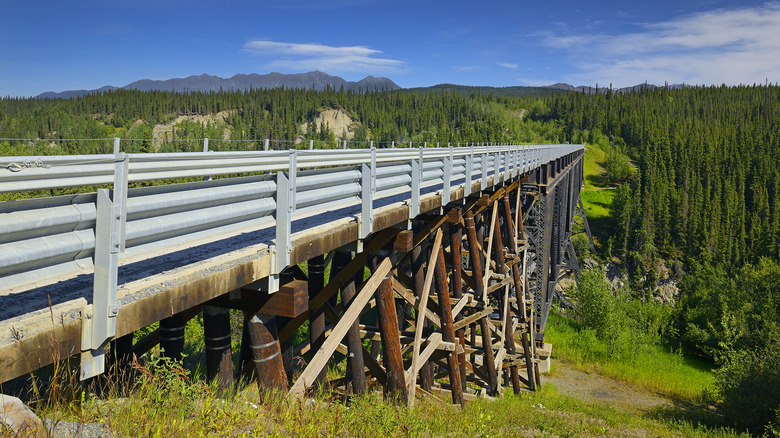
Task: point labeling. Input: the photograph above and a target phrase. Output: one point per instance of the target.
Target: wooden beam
(291, 300)
(320, 358)
(422, 308)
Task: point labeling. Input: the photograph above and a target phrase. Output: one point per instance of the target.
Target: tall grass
(654, 367)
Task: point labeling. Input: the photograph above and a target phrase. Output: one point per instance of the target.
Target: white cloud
(311, 56)
(531, 82)
(508, 65)
(732, 46)
(467, 68)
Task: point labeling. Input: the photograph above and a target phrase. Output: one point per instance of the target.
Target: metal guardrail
(45, 237)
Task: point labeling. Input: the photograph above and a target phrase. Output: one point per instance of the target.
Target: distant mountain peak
(589, 89)
(205, 82)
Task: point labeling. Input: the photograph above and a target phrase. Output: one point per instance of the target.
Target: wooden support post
(317, 316)
(476, 269)
(448, 332)
(355, 347)
(498, 249)
(456, 236)
(422, 305)
(266, 353)
(521, 303)
(219, 359)
(391, 341)
(287, 276)
(426, 374)
(121, 351)
(172, 336)
(404, 242)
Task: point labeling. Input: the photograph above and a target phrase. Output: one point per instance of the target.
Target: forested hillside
(709, 186)
(706, 198)
(275, 114)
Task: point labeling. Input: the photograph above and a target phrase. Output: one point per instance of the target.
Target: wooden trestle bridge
(443, 263)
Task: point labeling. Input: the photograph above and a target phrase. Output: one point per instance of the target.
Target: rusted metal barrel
(266, 353)
(172, 336)
(219, 359)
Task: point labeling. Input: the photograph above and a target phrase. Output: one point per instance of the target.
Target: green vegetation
(624, 338)
(162, 399)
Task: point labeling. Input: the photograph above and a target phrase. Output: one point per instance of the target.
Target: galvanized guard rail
(42, 238)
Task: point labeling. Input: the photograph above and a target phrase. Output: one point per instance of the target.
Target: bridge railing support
(99, 318)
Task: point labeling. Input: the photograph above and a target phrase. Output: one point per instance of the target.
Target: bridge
(442, 263)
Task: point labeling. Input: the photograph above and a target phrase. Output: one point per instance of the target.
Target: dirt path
(593, 387)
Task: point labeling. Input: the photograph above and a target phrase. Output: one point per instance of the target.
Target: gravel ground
(64, 429)
(593, 387)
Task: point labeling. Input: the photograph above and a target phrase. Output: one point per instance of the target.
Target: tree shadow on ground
(597, 180)
(702, 413)
(602, 228)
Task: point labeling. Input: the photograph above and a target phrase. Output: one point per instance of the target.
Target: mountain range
(586, 89)
(315, 79)
(319, 81)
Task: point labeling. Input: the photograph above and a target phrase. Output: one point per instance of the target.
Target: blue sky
(57, 46)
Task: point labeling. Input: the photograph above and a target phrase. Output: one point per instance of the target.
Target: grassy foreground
(165, 403)
(159, 398)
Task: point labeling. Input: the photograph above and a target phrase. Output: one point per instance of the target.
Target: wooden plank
(461, 304)
(487, 255)
(320, 358)
(471, 319)
(433, 343)
(423, 304)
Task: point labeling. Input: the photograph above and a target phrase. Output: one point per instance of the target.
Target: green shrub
(749, 387)
(624, 323)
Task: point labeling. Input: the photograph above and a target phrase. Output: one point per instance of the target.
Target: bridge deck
(41, 315)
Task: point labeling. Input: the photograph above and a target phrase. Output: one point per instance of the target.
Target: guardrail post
(285, 206)
(393, 144)
(311, 145)
(445, 193)
(345, 144)
(499, 163)
(469, 169)
(265, 144)
(414, 207)
(496, 166)
(485, 161)
(205, 145)
(368, 188)
(99, 318)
